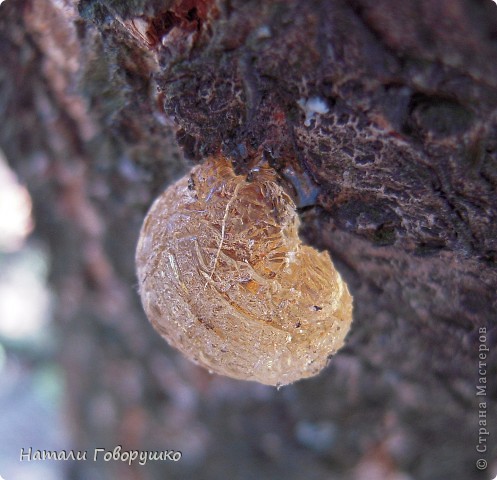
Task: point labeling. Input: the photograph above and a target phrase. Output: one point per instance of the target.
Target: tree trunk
(380, 118)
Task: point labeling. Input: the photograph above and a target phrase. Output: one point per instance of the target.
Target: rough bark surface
(381, 119)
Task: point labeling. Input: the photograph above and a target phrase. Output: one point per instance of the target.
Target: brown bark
(397, 179)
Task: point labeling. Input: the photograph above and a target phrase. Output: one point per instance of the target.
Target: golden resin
(224, 278)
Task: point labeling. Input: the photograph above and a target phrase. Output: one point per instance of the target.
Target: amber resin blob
(224, 277)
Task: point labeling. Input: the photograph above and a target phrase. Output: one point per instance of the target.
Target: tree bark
(381, 120)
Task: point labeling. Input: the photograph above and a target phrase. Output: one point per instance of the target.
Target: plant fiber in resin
(224, 277)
